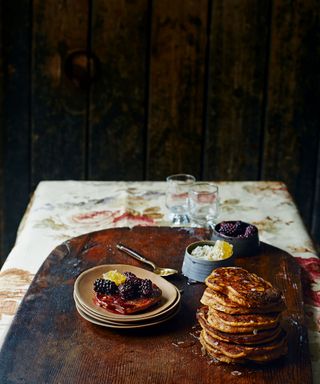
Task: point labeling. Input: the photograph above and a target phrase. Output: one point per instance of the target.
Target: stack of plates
(84, 299)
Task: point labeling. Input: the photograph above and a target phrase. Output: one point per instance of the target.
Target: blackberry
(146, 288)
(240, 228)
(229, 228)
(250, 231)
(129, 275)
(128, 291)
(132, 279)
(232, 228)
(135, 281)
(103, 286)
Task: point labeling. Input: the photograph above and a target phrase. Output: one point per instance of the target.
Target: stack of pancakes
(240, 318)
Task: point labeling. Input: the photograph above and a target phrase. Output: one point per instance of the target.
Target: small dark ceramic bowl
(198, 269)
(241, 246)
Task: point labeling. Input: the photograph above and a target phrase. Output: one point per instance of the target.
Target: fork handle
(135, 255)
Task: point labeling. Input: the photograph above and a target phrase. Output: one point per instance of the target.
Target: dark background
(138, 89)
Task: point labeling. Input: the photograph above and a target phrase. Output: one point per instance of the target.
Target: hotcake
(221, 302)
(258, 321)
(242, 287)
(257, 337)
(262, 353)
(116, 304)
(216, 322)
(240, 319)
(215, 354)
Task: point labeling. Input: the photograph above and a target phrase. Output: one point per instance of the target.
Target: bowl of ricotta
(202, 257)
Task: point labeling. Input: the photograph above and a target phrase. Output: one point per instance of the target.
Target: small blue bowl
(198, 269)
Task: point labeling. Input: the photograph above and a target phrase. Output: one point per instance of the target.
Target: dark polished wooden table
(62, 210)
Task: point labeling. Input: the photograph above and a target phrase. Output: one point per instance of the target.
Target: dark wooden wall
(138, 89)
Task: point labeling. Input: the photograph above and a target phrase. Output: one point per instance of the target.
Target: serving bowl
(198, 269)
(242, 246)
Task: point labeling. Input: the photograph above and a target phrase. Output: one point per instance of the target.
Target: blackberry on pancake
(125, 293)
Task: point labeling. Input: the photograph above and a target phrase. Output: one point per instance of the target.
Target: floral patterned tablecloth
(63, 209)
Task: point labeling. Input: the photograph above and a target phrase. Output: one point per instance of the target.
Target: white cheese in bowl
(220, 251)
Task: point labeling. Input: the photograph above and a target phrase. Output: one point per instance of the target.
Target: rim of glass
(215, 188)
(184, 177)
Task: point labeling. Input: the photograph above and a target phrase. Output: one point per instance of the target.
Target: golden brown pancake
(258, 337)
(258, 321)
(214, 353)
(223, 326)
(221, 302)
(241, 316)
(262, 353)
(242, 287)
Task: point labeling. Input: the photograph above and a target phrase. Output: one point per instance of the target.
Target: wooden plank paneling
(118, 97)
(237, 70)
(178, 54)
(292, 120)
(59, 104)
(16, 24)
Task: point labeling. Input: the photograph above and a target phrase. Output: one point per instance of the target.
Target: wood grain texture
(177, 67)
(118, 97)
(15, 149)
(59, 105)
(237, 72)
(292, 119)
(72, 350)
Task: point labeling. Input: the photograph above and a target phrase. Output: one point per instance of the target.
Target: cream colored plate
(83, 290)
(158, 316)
(126, 318)
(125, 326)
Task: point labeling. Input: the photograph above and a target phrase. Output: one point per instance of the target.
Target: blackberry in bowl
(243, 236)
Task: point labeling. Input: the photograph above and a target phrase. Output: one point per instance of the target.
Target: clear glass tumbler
(203, 204)
(178, 187)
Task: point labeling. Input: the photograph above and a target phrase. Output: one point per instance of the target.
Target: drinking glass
(177, 197)
(203, 204)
